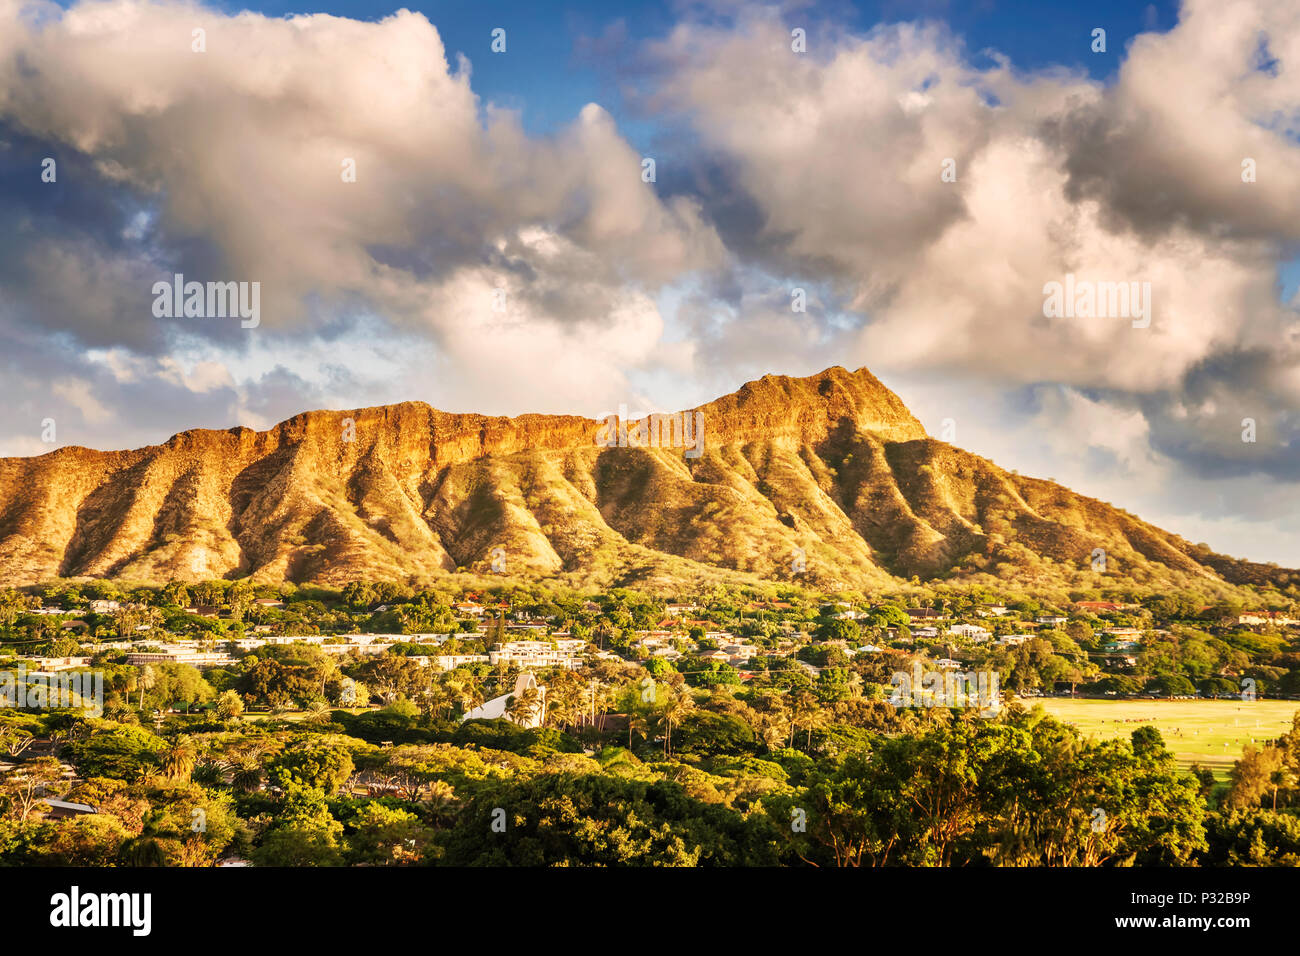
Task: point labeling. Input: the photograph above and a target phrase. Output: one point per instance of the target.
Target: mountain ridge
(827, 480)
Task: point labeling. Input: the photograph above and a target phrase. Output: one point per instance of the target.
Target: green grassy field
(1212, 733)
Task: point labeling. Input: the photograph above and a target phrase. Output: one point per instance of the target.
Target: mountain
(828, 480)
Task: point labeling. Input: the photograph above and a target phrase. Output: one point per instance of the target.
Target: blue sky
(549, 73)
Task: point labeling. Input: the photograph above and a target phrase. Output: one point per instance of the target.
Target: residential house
(972, 632)
(841, 610)
(62, 809)
(739, 653)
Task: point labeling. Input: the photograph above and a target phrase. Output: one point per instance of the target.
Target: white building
(371, 649)
(56, 663)
(558, 653)
(972, 632)
(176, 654)
(739, 653)
(496, 707)
(451, 661)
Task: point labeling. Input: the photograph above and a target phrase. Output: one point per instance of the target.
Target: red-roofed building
(674, 621)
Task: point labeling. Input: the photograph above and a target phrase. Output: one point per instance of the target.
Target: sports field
(1209, 732)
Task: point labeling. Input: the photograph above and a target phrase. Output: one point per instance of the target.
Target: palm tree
(558, 708)
(318, 712)
(815, 720)
(802, 709)
(209, 773)
(523, 704)
(434, 698)
(563, 702)
(636, 720)
(471, 696)
(674, 713)
(773, 726)
(178, 758)
(1283, 778)
(543, 701)
(247, 777)
(147, 681)
(454, 688)
(600, 702)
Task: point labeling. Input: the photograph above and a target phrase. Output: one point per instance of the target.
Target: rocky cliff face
(826, 479)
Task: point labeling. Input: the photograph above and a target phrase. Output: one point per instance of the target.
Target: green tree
(304, 832)
(316, 762)
(229, 705)
(388, 836)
